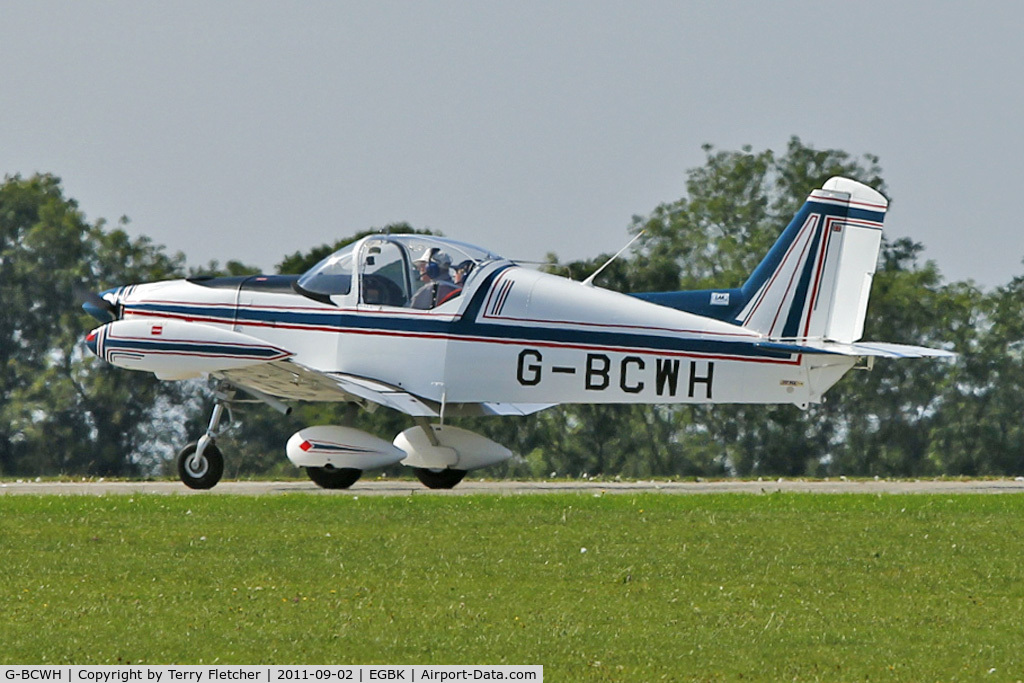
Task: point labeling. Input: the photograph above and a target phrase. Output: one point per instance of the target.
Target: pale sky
(251, 130)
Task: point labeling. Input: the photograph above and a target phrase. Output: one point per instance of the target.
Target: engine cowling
(178, 349)
(340, 447)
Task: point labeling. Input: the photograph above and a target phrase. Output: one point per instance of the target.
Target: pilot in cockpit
(434, 267)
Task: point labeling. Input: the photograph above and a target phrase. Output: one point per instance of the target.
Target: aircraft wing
(383, 394)
(519, 409)
(290, 380)
(286, 379)
(403, 401)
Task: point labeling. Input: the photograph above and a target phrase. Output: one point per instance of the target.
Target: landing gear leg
(201, 464)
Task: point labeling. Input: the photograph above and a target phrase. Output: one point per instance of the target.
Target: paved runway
(384, 487)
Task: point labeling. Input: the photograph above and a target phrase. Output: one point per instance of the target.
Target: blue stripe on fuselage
(115, 344)
(466, 328)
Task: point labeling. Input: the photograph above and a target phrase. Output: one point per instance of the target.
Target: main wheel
(203, 474)
(439, 479)
(334, 477)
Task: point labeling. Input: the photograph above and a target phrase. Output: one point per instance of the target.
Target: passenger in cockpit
(462, 271)
(434, 267)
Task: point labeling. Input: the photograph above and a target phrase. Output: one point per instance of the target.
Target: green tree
(980, 428)
(61, 410)
(883, 419)
(735, 206)
(232, 268)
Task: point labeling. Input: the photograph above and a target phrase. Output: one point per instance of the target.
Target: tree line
(64, 411)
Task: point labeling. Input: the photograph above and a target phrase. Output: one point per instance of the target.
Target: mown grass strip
(594, 588)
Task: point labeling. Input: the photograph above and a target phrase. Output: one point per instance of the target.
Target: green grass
(710, 587)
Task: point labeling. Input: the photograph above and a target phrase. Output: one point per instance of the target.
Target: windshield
(393, 270)
(331, 276)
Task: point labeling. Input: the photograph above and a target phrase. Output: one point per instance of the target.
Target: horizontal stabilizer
(873, 349)
(884, 350)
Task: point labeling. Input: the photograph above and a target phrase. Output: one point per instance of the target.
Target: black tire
(210, 469)
(334, 477)
(439, 479)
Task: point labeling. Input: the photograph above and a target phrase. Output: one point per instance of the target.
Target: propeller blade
(96, 306)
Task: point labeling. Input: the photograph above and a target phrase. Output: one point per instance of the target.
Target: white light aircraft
(437, 329)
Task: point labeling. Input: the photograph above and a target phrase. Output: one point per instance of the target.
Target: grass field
(613, 588)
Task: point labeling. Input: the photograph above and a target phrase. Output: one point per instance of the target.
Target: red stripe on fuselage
(504, 342)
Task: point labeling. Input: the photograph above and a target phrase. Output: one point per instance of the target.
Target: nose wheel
(201, 471)
(201, 464)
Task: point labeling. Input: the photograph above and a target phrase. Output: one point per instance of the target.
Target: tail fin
(815, 281)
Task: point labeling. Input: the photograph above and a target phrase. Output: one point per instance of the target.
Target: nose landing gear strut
(201, 464)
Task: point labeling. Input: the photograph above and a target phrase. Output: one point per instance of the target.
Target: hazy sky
(250, 130)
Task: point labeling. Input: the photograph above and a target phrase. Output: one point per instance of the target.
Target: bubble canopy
(390, 256)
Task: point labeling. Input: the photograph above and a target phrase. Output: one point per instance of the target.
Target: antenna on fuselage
(589, 282)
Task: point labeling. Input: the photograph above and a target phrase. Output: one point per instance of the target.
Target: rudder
(815, 281)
